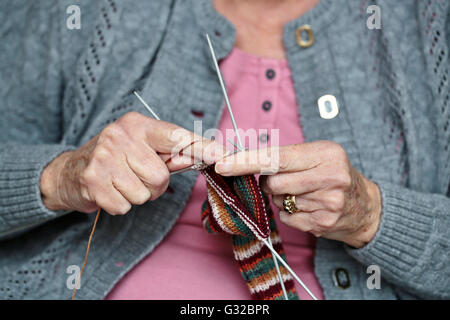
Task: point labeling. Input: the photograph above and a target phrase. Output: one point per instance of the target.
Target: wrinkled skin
(127, 163)
(334, 199)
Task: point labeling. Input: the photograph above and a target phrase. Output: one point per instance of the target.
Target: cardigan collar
(223, 32)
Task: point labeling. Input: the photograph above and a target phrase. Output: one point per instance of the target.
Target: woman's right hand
(122, 166)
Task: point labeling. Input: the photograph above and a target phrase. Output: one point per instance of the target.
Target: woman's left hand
(334, 200)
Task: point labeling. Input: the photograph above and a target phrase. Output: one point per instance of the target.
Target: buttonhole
(198, 114)
(170, 190)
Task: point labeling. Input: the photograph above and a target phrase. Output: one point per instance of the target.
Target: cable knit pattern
(60, 87)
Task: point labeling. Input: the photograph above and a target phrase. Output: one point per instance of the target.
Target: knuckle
(273, 184)
(334, 146)
(285, 157)
(130, 117)
(338, 153)
(101, 154)
(88, 176)
(336, 202)
(327, 222)
(345, 179)
(160, 178)
(333, 150)
(340, 179)
(111, 132)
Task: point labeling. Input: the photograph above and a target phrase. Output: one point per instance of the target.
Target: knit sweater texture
(61, 87)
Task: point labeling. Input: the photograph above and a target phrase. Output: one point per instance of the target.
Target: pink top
(192, 264)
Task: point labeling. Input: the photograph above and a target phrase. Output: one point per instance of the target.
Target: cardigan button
(328, 106)
(310, 36)
(341, 279)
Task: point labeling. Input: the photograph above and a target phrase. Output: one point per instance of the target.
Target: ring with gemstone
(289, 204)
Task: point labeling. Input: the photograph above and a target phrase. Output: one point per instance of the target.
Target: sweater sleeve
(30, 107)
(412, 244)
(21, 206)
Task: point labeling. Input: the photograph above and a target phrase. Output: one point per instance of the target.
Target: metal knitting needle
(196, 166)
(289, 269)
(146, 105)
(241, 147)
(277, 267)
(275, 261)
(225, 94)
(234, 144)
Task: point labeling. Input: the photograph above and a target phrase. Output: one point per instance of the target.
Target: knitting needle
(196, 166)
(146, 105)
(277, 267)
(224, 89)
(241, 147)
(289, 269)
(275, 261)
(234, 144)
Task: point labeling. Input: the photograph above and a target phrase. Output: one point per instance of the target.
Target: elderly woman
(356, 96)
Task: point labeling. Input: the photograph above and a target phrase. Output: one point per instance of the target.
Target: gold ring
(289, 204)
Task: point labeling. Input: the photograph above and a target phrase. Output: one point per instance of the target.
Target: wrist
(372, 216)
(50, 182)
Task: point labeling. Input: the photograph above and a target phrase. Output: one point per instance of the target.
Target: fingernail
(223, 168)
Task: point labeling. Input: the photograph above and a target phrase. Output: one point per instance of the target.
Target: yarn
(88, 248)
(236, 206)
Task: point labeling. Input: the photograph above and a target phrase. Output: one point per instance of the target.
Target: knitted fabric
(236, 206)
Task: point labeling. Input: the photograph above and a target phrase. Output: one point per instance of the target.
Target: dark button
(267, 105)
(263, 138)
(270, 74)
(341, 278)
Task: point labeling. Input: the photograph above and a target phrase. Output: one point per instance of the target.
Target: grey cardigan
(60, 87)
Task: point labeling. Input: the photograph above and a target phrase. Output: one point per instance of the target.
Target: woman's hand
(125, 164)
(335, 200)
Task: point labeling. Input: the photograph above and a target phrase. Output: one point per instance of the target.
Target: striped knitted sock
(236, 206)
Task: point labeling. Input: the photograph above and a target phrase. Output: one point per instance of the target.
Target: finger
(269, 160)
(111, 200)
(150, 169)
(130, 186)
(159, 135)
(301, 204)
(177, 162)
(300, 221)
(292, 183)
(203, 150)
(166, 137)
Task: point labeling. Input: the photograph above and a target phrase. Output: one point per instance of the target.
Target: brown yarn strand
(87, 253)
